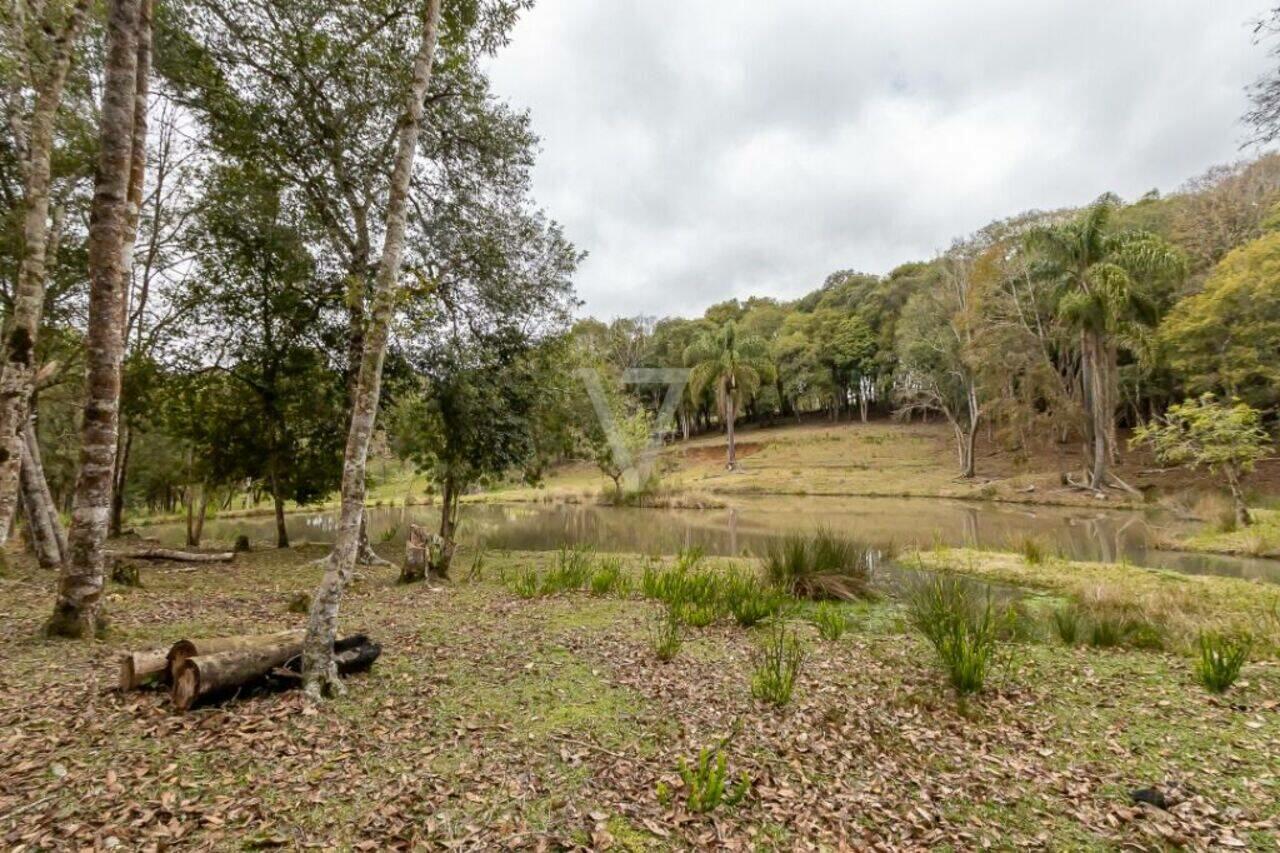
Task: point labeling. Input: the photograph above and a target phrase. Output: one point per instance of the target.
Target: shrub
(821, 566)
(664, 635)
(960, 624)
(831, 620)
(608, 578)
(1220, 659)
(1067, 623)
(704, 783)
(749, 599)
(778, 663)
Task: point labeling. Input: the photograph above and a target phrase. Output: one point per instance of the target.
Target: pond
(1076, 533)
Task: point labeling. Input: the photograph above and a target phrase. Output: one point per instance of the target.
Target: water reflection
(1080, 534)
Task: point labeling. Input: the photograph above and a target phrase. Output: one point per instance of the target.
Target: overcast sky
(706, 149)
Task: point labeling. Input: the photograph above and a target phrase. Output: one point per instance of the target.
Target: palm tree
(734, 365)
(1103, 288)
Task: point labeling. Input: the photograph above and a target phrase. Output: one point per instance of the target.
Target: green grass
(819, 566)
(778, 661)
(1220, 660)
(960, 622)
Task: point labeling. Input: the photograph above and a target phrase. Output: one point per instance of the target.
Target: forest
(255, 255)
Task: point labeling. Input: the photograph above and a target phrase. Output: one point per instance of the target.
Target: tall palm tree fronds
(734, 366)
(1107, 290)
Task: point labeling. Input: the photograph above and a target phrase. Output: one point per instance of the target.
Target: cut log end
(141, 668)
(186, 686)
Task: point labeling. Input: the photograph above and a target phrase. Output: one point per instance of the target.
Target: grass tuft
(960, 623)
(664, 635)
(830, 619)
(822, 566)
(704, 783)
(778, 662)
(1220, 659)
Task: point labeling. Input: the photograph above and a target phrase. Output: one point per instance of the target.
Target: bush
(1220, 660)
(821, 566)
(749, 599)
(778, 663)
(664, 635)
(704, 783)
(960, 624)
(831, 620)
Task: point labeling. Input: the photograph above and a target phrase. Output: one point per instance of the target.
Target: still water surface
(1081, 534)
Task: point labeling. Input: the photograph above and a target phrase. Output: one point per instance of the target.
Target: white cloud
(706, 149)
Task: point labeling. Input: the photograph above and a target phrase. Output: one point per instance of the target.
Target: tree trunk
(42, 517)
(119, 478)
(320, 675)
(77, 611)
(201, 510)
(1243, 517)
(282, 531)
(443, 557)
(18, 370)
(1096, 396)
(731, 415)
(968, 457)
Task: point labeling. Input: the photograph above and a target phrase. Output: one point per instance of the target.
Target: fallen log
(174, 555)
(185, 649)
(141, 668)
(271, 665)
(201, 676)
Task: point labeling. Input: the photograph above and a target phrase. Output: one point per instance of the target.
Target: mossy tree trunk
(77, 610)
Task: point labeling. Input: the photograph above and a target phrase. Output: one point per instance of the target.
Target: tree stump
(415, 555)
(125, 573)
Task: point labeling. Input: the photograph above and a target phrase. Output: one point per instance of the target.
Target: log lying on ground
(184, 649)
(176, 556)
(141, 668)
(204, 676)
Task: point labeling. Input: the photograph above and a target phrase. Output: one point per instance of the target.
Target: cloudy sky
(706, 149)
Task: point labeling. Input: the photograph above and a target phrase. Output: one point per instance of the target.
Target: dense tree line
(1048, 327)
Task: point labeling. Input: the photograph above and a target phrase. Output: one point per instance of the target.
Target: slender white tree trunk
(320, 675)
(77, 611)
(42, 515)
(18, 370)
